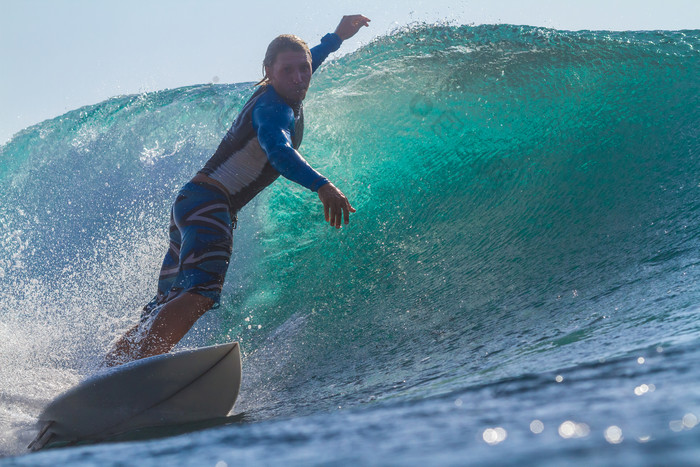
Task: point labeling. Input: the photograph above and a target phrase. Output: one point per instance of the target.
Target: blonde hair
(282, 43)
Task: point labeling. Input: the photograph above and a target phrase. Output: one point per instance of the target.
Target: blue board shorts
(201, 242)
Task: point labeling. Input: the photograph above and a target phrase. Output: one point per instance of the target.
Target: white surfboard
(176, 388)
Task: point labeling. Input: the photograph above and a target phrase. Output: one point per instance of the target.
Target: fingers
(336, 207)
(348, 209)
(335, 215)
(338, 211)
(359, 20)
(338, 217)
(342, 214)
(350, 24)
(331, 210)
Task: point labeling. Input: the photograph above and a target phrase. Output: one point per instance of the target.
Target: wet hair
(283, 43)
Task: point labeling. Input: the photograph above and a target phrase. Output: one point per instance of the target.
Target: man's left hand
(350, 24)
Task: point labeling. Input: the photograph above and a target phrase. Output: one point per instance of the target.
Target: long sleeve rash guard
(262, 143)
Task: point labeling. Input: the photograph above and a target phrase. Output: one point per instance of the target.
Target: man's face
(290, 75)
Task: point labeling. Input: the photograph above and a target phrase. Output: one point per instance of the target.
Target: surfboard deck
(169, 389)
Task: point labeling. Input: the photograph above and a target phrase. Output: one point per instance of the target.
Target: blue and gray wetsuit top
(262, 143)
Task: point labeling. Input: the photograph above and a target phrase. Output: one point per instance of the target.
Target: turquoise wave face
(526, 199)
(519, 191)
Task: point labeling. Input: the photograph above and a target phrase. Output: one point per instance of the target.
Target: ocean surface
(520, 284)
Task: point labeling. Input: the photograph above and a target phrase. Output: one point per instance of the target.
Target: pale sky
(59, 55)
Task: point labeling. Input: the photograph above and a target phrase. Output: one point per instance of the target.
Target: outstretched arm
(272, 119)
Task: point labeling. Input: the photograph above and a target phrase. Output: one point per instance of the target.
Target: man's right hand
(336, 206)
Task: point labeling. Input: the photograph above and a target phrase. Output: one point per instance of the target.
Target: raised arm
(331, 42)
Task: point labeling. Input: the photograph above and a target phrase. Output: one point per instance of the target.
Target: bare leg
(125, 349)
(172, 323)
(169, 326)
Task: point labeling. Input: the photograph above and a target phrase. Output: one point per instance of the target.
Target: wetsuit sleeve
(272, 122)
(329, 44)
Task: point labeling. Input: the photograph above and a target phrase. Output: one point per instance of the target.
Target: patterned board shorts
(201, 242)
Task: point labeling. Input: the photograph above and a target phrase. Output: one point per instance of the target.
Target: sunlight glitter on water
(570, 429)
(537, 427)
(494, 436)
(613, 434)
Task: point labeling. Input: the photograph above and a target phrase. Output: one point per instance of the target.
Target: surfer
(261, 144)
